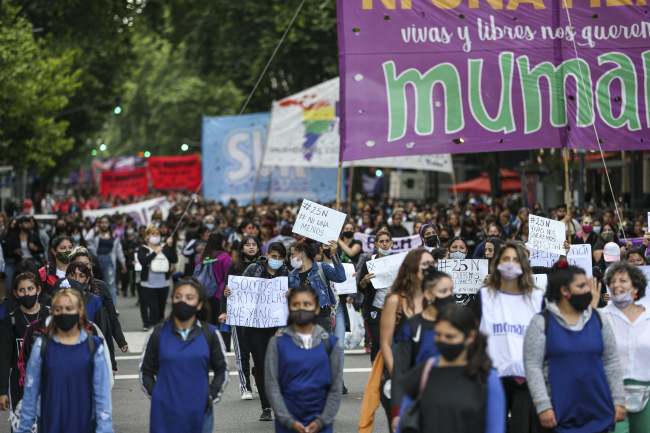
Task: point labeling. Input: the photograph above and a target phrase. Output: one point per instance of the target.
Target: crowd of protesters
(570, 357)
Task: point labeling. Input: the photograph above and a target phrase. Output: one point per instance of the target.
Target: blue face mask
(275, 264)
(157, 224)
(210, 226)
(76, 238)
(384, 252)
(597, 229)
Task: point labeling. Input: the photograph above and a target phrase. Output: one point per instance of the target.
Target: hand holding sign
(546, 235)
(318, 222)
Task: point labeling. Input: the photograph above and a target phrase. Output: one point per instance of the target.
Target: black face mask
(580, 302)
(348, 235)
(444, 239)
(450, 351)
(66, 322)
(302, 317)
(28, 301)
(183, 311)
(440, 303)
(250, 257)
(431, 241)
(327, 253)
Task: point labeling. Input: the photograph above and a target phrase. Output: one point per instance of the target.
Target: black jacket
(258, 270)
(13, 243)
(104, 324)
(146, 256)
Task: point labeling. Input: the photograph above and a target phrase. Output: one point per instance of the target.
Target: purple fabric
(376, 48)
(220, 268)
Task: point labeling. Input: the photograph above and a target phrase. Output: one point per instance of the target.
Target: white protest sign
(541, 281)
(542, 258)
(580, 256)
(385, 270)
(468, 275)
(400, 245)
(546, 235)
(141, 212)
(645, 301)
(257, 302)
(318, 222)
(349, 286)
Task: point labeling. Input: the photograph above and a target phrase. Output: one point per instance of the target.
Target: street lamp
(102, 147)
(184, 147)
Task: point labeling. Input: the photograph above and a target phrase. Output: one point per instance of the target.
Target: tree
(33, 85)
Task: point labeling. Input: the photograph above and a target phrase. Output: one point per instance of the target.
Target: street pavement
(131, 406)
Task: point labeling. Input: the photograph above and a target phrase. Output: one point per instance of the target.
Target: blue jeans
(339, 330)
(208, 422)
(108, 269)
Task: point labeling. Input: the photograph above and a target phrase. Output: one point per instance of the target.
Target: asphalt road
(131, 405)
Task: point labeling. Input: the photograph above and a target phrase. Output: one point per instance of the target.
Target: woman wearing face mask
(77, 238)
(249, 252)
(109, 250)
(445, 234)
(608, 233)
(571, 358)
(303, 369)
(67, 368)
(130, 245)
(176, 361)
(458, 249)
(373, 302)
(59, 259)
(459, 390)
(469, 233)
(215, 254)
(350, 247)
(194, 248)
(505, 307)
(429, 236)
(631, 325)
(586, 235)
(414, 344)
(25, 293)
(257, 339)
(154, 286)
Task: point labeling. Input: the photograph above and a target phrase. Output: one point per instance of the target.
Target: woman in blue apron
(581, 391)
(67, 369)
(303, 371)
(176, 361)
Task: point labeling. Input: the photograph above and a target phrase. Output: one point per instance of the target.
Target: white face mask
(155, 240)
(295, 263)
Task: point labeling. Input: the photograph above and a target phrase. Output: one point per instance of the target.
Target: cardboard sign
(400, 245)
(318, 222)
(349, 286)
(541, 281)
(580, 256)
(125, 183)
(546, 235)
(257, 302)
(385, 270)
(175, 172)
(468, 275)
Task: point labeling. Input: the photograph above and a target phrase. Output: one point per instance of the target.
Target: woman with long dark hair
(429, 236)
(215, 255)
(350, 247)
(176, 361)
(608, 233)
(60, 250)
(459, 391)
(469, 233)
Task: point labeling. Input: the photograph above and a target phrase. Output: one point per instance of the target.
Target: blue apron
(580, 392)
(180, 395)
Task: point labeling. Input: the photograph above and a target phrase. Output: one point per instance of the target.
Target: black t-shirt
(354, 259)
(303, 276)
(399, 232)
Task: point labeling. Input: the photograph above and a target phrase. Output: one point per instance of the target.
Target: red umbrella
(510, 182)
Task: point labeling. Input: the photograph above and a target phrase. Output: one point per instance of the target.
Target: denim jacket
(333, 274)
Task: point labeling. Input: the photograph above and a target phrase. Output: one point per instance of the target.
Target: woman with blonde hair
(67, 368)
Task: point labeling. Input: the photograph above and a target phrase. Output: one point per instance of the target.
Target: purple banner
(457, 76)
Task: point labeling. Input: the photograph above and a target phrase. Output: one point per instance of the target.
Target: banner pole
(568, 193)
(338, 189)
(261, 164)
(350, 189)
(453, 183)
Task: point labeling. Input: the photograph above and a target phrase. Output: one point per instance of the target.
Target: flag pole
(338, 189)
(350, 189)
(453, 183)
(568, 193)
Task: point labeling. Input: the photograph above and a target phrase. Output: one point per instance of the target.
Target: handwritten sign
(541, 281)
(468, 275)
(580, 256)
(385, 270)
(318, 222)
(546, 235)
(645, 301)
(400, 245)
(543, 258)
(349, 286)
(257, 302)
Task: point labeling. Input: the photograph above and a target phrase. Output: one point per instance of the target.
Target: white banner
(400, 245)
(578, 255)
(141, 212)
(468, 275)
(349, 286)
(318, 222)
(385, 270)
(257, 302)
(546, 235)
(304, 132)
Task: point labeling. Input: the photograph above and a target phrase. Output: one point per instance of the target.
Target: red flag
(125, 183)
(175, 172)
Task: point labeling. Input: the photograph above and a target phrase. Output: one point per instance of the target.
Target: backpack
(410, 420)
(204, 272)
(159, 264)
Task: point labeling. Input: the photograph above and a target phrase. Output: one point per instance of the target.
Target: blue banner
(231, 157)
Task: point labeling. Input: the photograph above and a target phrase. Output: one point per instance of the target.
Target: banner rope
(593, 111)
(259, 80)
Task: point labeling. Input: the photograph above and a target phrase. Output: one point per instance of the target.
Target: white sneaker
(255, 388)
(247, 395)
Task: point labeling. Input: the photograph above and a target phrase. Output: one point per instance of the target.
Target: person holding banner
(608, 234)
(350, 247)
(176, 361)
(631, 325)
(505, 307)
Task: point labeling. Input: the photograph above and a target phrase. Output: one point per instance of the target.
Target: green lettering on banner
(445, 74)
(626, 73)
(557, 78)
(504, 120)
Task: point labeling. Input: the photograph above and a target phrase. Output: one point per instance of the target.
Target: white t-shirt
(59, 273)
(306, 339)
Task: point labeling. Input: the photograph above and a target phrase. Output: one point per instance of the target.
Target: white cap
(612, 252)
